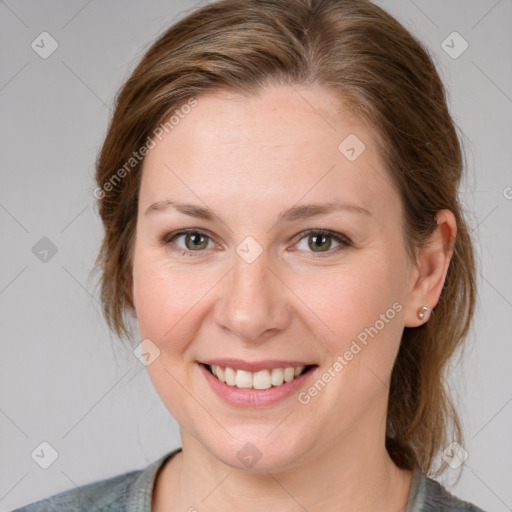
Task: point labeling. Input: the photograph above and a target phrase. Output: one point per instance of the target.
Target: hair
(387, 79)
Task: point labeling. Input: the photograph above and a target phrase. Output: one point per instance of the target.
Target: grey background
(62, 378)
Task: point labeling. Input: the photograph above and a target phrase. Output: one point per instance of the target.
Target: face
(258, 285)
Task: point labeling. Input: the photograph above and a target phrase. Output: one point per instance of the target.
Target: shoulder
(438, 499)
(108, 494)
(130, 492)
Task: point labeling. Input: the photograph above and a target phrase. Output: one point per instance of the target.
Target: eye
(319, 239)
(195, 240)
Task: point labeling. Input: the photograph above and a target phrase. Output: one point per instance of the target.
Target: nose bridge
(253, 301)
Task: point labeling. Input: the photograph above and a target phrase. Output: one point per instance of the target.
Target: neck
(353, 473)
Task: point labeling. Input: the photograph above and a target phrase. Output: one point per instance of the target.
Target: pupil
(195, 237)
(316, 245)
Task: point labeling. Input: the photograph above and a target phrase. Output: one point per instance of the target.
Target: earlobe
(433, 261)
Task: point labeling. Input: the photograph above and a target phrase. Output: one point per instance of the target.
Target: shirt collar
(140, 492)
(417, 492)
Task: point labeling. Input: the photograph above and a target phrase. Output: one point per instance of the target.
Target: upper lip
(254, 366)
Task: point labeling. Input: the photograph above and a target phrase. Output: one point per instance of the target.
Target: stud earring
(422, 311)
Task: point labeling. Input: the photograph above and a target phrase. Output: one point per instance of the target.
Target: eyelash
(345, 242)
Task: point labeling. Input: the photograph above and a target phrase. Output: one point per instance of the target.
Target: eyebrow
(293, 214)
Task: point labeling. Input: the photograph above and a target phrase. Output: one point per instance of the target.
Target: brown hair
(388, 79)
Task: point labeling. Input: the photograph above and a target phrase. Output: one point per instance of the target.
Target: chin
(258, 453)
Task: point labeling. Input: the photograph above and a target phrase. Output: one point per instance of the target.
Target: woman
(278, 188)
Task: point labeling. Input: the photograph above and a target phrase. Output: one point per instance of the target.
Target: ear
(433, 260)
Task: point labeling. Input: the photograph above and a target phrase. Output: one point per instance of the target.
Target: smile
(263, 379)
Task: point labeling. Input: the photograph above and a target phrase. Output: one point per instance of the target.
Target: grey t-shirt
(132, 492)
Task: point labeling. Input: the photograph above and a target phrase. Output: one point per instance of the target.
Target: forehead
(276, 116)
(278, 146)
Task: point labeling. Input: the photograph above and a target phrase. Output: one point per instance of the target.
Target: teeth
(230, 375)
(243, 379)
(263, 379)
(289, 374)
(277, 377)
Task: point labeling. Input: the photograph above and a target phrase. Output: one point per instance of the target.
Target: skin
(248, 160)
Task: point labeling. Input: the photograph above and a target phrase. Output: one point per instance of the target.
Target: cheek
(162, 296)
(165, 315)
(360, 301)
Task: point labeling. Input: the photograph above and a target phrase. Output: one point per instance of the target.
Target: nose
(254, 302)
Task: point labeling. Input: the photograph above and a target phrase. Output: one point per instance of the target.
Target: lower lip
(248, 397)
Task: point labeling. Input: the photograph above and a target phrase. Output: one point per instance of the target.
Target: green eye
(197, 241)
(319, 241)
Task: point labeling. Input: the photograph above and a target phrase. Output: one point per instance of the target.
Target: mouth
(258, 380)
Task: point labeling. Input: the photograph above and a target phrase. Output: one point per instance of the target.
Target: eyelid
(167, 238)
(319, 231)
(342, 239)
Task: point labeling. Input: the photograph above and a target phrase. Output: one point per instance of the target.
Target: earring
(422, 311)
